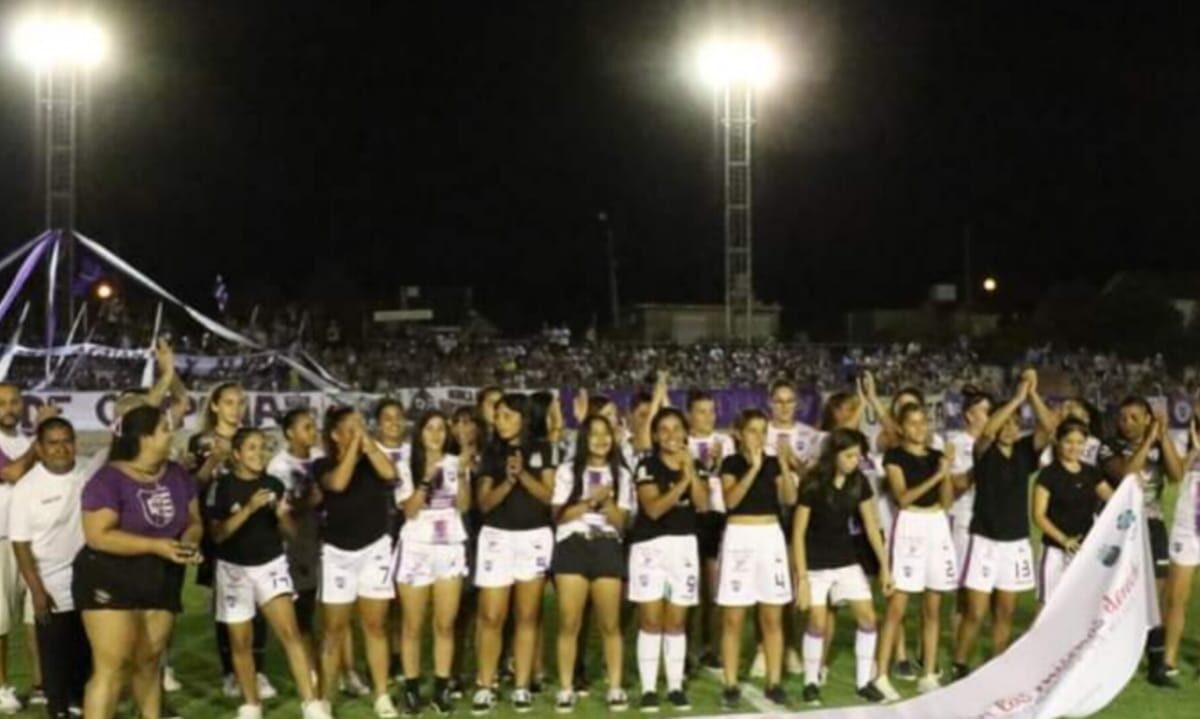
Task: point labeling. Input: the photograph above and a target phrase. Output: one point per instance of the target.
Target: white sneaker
(230, 687)
(353, 685)
(928, 683)
(315, 709)
(9, 704)
(795, 665)
(758, 669)
(384, 708)
(250, 711)
(265, 689)
(884, 685)
(170, 683)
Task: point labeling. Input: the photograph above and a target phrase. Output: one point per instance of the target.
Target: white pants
(1054, 564)
(420, 564)
(923, 553)
(667, 568)
(1004, 566)
(509, 556)
(366, 573)
(836, 586)
(12, 589)
(754, 566)
(242, 590)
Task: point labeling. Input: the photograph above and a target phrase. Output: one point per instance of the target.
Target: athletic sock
(648, 648)
(814, 647)
(864, 656)
(674, 658)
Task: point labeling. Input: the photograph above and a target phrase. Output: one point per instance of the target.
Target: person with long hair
(248, 514)
(391, 433)
(434, 491)
(1141, 449)
(922, 552)
(998, 565)
(485, 409)
(516, 541)
(1066, 497)
(755, 566)
(1075, 408)
(976, 408)
(141, 522)
(467, 432)
(208, 455)
(292, 465)
(593, 495)
(357, 483)
(1185, 549)
(709, 448)
(835, 495)
(664, 559)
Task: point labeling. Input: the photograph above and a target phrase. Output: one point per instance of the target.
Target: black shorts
(306, 607)
(710, 527)
(592, 558)
(1159, 547)
(142, 582)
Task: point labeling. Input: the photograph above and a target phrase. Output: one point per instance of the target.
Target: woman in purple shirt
(141, 521)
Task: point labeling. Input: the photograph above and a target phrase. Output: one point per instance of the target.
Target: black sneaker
(905, 671)
(410, 698)
(1159, 678)
(871, 693)
(777, 695)
(731, 697)
(455, 687)
(959, 671)
(679, 700)
(483, 701)
(443, 701)
(811, 695)
(522, 701)
(708, 660)
(649, 702)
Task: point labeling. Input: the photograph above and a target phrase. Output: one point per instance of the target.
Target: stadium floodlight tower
(60, 49)
(737, 70)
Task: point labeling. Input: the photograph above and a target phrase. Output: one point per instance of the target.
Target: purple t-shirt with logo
(151, 509)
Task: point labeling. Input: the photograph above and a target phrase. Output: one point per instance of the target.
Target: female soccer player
(755, 571)
(434, 490)
(1185, 551)
(593, 495)
(357, 482)
(141, 521)
(247, 512)
(391, 428)
(827, 568)
(922, 553)
(664, 578)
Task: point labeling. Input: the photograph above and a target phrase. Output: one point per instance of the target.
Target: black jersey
(763, 495)
(679, 520)
(519, 510)
(1001, 508)
(1073, 502)
(257, 541)
(917, 469)
(829, 542)
(358, 515)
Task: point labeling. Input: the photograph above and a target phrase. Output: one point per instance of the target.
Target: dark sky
(309, 149)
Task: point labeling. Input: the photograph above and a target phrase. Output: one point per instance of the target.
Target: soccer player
(1185, 551)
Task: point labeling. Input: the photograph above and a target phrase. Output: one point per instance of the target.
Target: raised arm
(1001, 415)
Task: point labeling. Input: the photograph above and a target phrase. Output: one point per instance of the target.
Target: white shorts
(508, 556)
(665, 568)
(835, 586)
(240, 590)
(754, 566)
(420, 564)
(922, 553)
(1003, 566)
(12, 589)
(1053, 565)
(366, 573)
(1184, 548)
(960, 535)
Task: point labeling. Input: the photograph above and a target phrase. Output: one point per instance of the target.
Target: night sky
(309, 150)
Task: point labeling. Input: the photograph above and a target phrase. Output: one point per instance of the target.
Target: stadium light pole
(60, 49)
(736, 71)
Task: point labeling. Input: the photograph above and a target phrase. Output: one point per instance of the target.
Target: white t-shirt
(964, 461)
(399, 455)
(440, 521)
(704, 450)
(593, 477)
(12, 447)
(290, 469)
(805, 441)
(47, 511)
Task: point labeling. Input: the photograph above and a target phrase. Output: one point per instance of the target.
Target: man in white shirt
(46, 529)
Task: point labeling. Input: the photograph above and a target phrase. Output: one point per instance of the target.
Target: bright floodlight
(989, 284)
(44, 42)
(723, 63)
(104, 290)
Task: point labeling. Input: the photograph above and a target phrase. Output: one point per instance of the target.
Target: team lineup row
(475, 512)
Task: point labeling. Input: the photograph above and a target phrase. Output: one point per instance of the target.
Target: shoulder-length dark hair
(823, 474)
(661, 415)
(836, 401)
(333, 418)
(518, 403)
(416, 457)
(614, 460)
(131, 427)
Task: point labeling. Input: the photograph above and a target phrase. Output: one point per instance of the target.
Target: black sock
(1156, 647)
